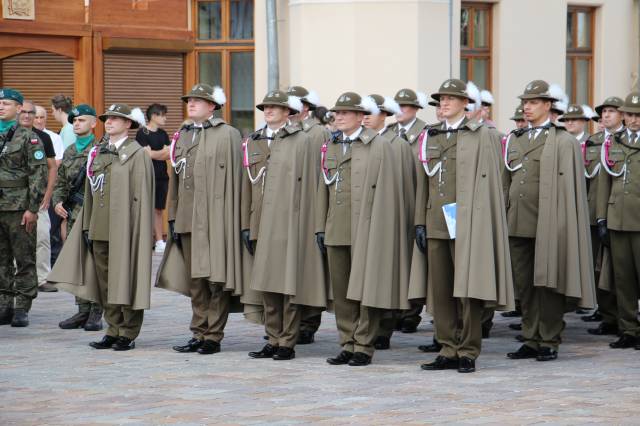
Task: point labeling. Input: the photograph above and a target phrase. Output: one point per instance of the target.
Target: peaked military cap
(281, 99)
(453, 87)
(518, 114)
(208, 93)
(120, 110)
(538, 89)
(611, 101)
(13, 94)
(386, 105)
(78, 110)
(631, 103)
(350, 101)
(408, 97)
(309, 98)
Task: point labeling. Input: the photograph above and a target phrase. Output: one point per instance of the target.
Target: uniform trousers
(310, 319)
(43, 246)
(357, 324)
(18, 280)
(281, 319)
(122, 321)
(625, 251)
(209, 302)
(542, 308)
(457, 321)
(607, 302)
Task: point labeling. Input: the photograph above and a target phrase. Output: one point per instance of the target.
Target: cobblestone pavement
(51, 376)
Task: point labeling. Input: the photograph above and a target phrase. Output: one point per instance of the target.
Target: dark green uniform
(23, 180)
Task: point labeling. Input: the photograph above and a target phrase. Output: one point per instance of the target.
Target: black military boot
(6, 314)
(20, 318)
(76, 321)
(94, 321)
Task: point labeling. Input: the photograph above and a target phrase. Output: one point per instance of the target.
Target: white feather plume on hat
(390, 105)
(556, 92)
(486, 97)
(369, 104)
(561, 106)
(138, 115)
(588, 112)
(421, 97)
(474, 93)
(295, 103)
(218, 96)
(312, 98)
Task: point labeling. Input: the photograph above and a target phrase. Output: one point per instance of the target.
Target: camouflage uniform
(23, 179)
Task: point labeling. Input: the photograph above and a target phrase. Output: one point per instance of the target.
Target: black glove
(246, 239)
(603, 232)
(174, 235)
(421, 238)
(87, 241)
(320, 241)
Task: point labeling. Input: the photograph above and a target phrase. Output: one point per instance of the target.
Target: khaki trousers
(607, 302)
(542, 308)
(281, 319)
(43, 246)
(625, 252)
(209, 302)
(357, 324)
(457, 321)
(122, 321)
(311, 317)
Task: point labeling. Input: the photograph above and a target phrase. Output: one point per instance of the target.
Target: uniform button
(187, 187)
(626, 192)
(339, 190)
(441, 194)
(521, 182)
(101, 205)
(444, 158)
(526, 158)
(524, 170)
(521, 195)
(338, 202)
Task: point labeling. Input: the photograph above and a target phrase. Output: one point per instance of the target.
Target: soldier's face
(348, 121)
(452, 106)
(40, 120)
(116, 125)
(375, 122)
(575, 127)
(9, 109)
(536, 110)
(302, 114)
(27, 115)
(199, 110)
(521, 124)
(439, 115)
(406, 114)
(275, 115)
(84, 124)
(611, 118)
(632, 120)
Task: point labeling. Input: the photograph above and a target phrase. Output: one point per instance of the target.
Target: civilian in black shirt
(156, 142)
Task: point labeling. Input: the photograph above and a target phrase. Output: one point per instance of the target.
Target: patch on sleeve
(38, 155)
(34, 141)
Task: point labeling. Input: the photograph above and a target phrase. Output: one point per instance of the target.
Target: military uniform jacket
(23, 170)
(593, 172)
(129, 182)
(287, 260)
(619, 196)
(72, 163)
(257, 157)
(359, 205)
(412, 135)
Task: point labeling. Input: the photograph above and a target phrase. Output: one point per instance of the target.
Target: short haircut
(42, 108)
(62, 102)
(158, 109)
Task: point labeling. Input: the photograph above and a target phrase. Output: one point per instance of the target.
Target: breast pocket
(513, 156)
(13, 153)
(592, 154)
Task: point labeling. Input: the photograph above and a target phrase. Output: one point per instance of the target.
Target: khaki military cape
(216, 246)
(563, 240)
(287, 259)
(130, 236)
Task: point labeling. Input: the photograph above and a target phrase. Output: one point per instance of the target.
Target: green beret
(82, 109)
(13, 94)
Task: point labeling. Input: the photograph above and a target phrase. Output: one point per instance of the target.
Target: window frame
(469, 52)
(574, 54)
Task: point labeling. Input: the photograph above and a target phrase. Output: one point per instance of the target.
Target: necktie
(402, 133)
(634, 138)
(449, 129)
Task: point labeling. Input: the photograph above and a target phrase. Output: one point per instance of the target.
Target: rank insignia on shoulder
(38, 155)
(34, 141)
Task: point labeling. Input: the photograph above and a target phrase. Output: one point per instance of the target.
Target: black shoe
(306, 338)
(192, 345)
(47, 288)
(441, 363)
(519, 338)
(343, 358)
(284, 354)
(547, 354)
(124, 344)
(360, 359)
(209, 347)
(486, 332)
(625, 341)
(20, 318)
(76, 321)
(594, 317)
(106, 343)
(515, 326)
(581, 311)
(409, 327)
(604, 329)
(434, 347)
(6, 314)
(382, 343)
(266, 352)
(466, 365)
(94, 322)
(265, 337)
(524, 352)
(511, 314)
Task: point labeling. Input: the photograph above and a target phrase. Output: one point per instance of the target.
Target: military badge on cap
(208, 93)
(631, 103)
